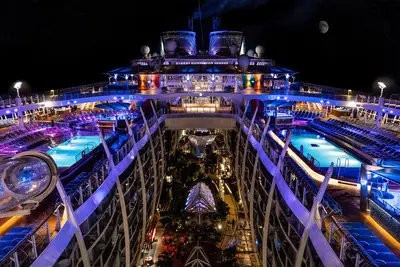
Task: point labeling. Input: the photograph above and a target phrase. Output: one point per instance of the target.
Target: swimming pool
(69, 152)
(323, 151)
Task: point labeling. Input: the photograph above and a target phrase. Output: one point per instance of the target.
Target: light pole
(17, 86)
(381, 86)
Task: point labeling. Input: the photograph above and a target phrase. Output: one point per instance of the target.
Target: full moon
(323, 27)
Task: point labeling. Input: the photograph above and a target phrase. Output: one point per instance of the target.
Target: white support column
(143, 186)
(153, 154)
(121, 201)
(253, 181)
(130, 132)
(162, 152)
(237, 151)
(270, 198)
(249, 132)
(20, 113)
(381, 106)
(212, 76)
(71, 216)
(238, 142)
(313, 211)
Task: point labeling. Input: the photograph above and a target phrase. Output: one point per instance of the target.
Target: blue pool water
(322, 150)
(69, 152)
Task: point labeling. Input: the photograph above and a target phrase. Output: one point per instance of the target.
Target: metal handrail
(395, 209)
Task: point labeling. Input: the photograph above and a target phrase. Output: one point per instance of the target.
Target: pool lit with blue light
(322, 150)
(69, 152)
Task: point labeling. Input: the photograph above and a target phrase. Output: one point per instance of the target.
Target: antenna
(201, 25)
(243, 47)
(161, 47)
(216, 23)
(190, 24)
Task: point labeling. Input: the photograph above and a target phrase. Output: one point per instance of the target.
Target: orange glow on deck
(142, 82)
(5, 227)
(382, 231)
(257, 78)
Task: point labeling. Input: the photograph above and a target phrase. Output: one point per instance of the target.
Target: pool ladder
(339, 163)
(90, 146)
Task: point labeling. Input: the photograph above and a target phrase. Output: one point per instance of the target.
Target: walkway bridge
(99, 92)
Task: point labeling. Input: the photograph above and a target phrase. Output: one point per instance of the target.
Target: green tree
(164, 260)
(179, 194)
(222, 209)
(235, 195)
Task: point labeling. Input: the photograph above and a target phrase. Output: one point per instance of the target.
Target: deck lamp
(381, 86)
(17, 86)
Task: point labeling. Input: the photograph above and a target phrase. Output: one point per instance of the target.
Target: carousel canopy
(200, 199)
(197, 258)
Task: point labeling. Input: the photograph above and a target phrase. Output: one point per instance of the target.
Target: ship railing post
(34, 247)
(342, 248)
(270, 198)
(58, 219)
(249, 132)
(162, 152)
(238, 145)
(71, 216)
(253, 179)
(153, 155)
(121, 200)
(143, 186)
(311, 218)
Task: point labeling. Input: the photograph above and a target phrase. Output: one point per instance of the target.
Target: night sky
(54, 44)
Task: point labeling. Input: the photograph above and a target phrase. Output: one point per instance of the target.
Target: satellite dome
(233, 50)
(170, 46)
(244, 62)
(323, 26)
(145, 50)
(250, 53)
(260, 50)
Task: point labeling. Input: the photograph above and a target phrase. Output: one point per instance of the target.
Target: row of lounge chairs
(371, 126)
(371, 244)
(4, 123)
(359, 138)
(376, 136)
(307, 115)
(12, 239)
(95, 115)
(19, 139)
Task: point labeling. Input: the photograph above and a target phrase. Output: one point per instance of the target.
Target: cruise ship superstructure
(316, 167)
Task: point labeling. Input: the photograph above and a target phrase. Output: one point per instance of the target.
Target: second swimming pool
(69, 152)
(323, 151)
